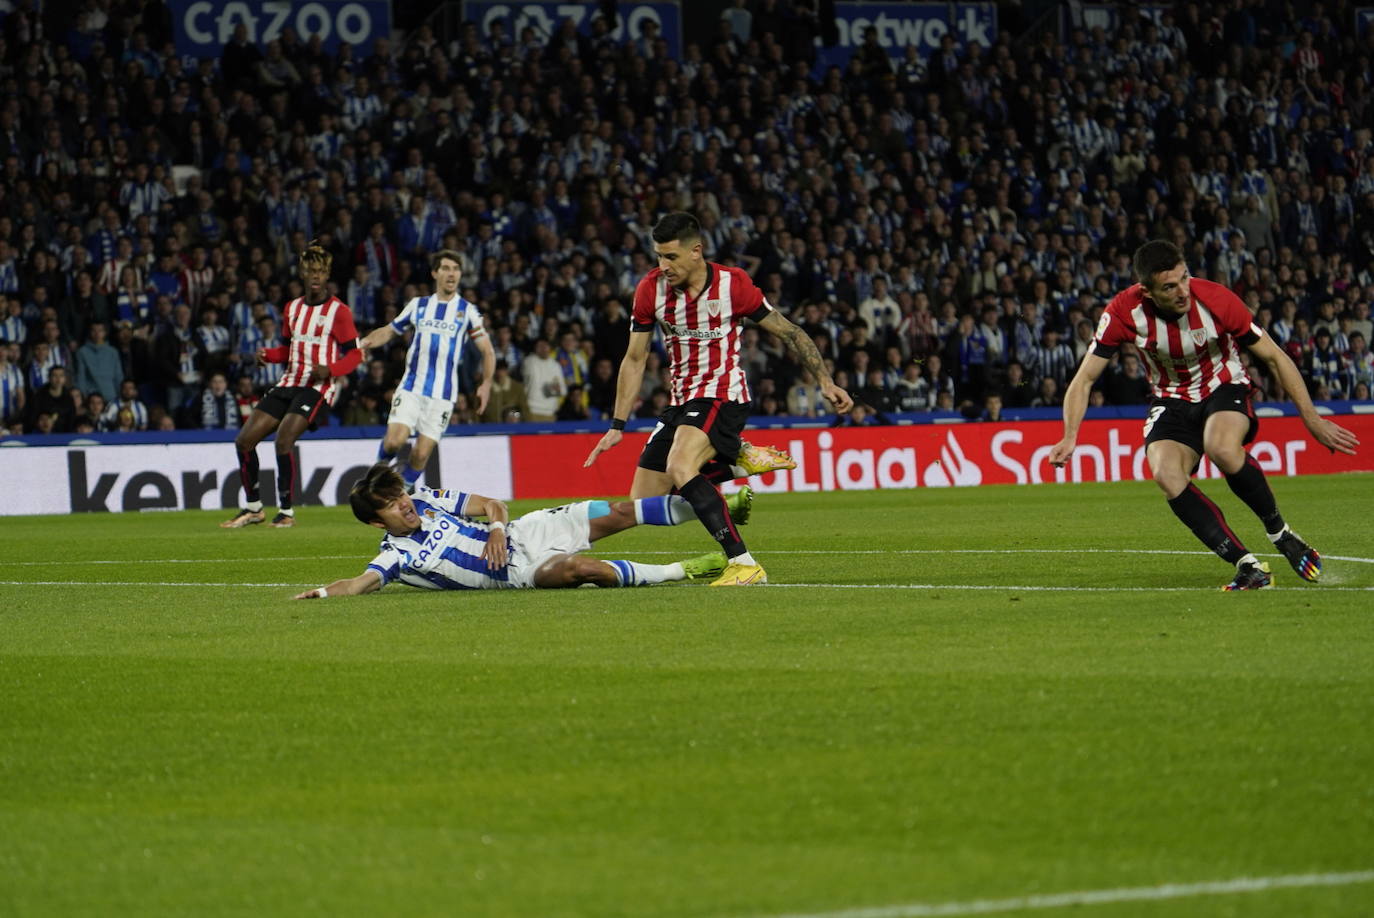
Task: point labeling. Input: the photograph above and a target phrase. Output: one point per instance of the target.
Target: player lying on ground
(1189, 332)
(433, 542)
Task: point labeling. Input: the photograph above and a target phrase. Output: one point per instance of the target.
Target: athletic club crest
(1200, 337)
(713, 308)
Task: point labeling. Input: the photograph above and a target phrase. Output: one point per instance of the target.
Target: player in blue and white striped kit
(424, 398)
(433, 541)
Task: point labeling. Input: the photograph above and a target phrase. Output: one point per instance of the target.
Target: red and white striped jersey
(702, 333)
(1186, 357)
(108, 281)
(315, 336)
(195, 284)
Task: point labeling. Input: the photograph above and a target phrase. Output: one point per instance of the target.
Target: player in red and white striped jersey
(321, 344)
(701, 308)
(1188, 333)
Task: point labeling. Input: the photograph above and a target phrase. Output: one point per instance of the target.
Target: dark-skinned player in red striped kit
(321, 345)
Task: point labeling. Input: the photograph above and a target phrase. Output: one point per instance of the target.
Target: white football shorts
(536, 537)
(424, 415)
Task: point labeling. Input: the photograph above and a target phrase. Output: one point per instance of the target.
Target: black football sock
(286, 479)
(1204, 518)
(248, 474)
(717, 471)
(1250, 485)
(709, 504)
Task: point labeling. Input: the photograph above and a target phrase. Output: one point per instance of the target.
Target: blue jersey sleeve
(388, 564)
(406, 318)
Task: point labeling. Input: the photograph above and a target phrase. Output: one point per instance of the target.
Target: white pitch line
(1098, 896)
(185, 560)
(783, 551)
(988, 587)
(996, 587)
(134, 583)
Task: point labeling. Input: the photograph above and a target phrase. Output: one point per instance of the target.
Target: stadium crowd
(948, 229)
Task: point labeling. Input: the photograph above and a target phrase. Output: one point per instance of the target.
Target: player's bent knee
(1228, 459)
(1171, 481)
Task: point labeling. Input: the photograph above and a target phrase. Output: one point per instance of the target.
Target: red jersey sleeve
(345, 335)
(1112, 329)
(749, 301)
(643, 317)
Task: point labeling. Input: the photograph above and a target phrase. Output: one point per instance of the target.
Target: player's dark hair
(380, 486)
(677, 226)
(316, 254)
(440, 255)
(1155, 256)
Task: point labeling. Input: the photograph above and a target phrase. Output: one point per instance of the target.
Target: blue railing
(762, 422)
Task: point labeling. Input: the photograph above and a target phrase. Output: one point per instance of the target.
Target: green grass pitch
(906, 716)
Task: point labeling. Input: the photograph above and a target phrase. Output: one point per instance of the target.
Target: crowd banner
(203, 27)
(197, 470)
(929, 456)
(901, 25)
(546, 17)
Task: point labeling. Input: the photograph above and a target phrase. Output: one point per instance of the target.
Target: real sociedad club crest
(1200, 337)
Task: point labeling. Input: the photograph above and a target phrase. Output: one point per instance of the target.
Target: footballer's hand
(838, 398)
(1061, 452)
(1333, 436)
(319, 373)
(483, 394)
(309, 594)
(497, 550)
(261, 357)
(608, 439)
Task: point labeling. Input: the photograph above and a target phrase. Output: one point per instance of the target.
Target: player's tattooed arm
(803, 349)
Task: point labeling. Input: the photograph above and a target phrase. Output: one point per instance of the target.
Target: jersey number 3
(1155, 412)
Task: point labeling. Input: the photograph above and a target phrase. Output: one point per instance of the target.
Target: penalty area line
(134, 583)
(1098, 896)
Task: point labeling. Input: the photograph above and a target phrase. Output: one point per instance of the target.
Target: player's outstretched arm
(626, 391)
(801, 347)
(1076, 405)
(369, 581)
(1328, 433)
(378, 337)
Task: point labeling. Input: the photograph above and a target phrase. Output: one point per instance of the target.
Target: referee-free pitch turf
(944, 697)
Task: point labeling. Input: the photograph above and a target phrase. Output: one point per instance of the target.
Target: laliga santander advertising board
(929, 456)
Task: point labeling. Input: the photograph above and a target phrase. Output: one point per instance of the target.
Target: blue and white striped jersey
(11, 389)
(445, 553)
(436, 353)
(12, 328)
